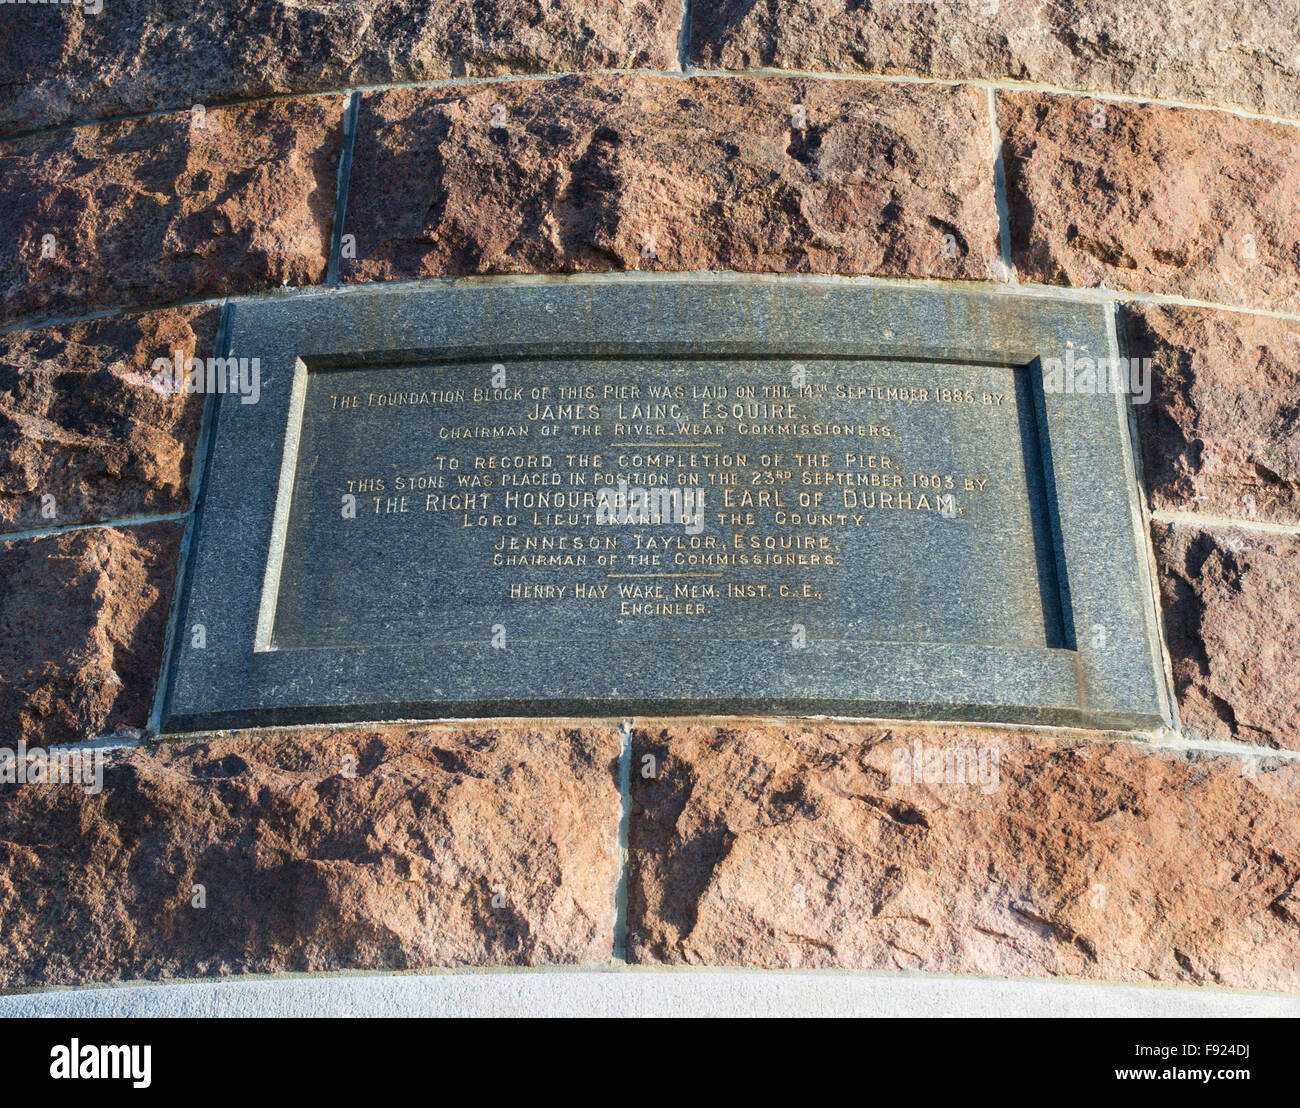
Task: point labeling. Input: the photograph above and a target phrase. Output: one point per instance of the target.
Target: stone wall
(158, 159)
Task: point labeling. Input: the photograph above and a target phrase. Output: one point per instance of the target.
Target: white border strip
(649, 992)
(280, 524)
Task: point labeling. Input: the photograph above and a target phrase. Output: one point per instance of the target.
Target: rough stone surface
(1243, 53)
(81, 420)
(812, 846)
(147, 211)
(1200, 204)
(662, 173)
(1232, 613)
(82, 619)
(316, 850)
(142, 55)
(1222, 431)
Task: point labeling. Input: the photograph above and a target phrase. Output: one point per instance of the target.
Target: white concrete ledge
(643, 992)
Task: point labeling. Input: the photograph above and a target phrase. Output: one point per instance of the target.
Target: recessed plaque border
(1112, 679)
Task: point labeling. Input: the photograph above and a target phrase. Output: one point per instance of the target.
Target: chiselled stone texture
(316, 850)
(143, 55)
(147, 211)
(1135, 196)
(1221, 433)
(1232, 612)
(662, 173)
(817, 846)
(1244, 53)
(82, 619)
(85, 423)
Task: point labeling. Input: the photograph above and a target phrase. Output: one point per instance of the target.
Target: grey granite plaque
(596, 498)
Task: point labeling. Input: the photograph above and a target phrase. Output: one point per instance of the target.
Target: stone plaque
(596, 498)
